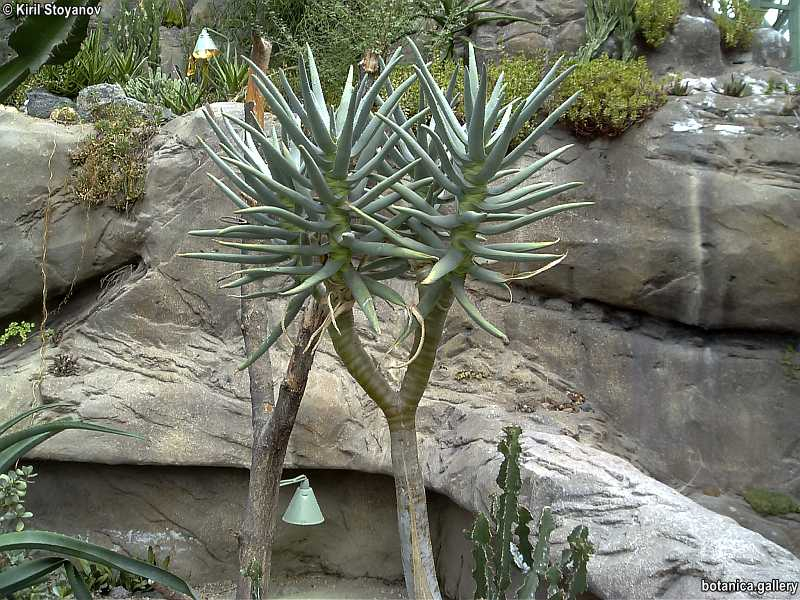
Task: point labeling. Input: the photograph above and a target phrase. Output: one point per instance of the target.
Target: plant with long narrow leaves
(66, 551)
(502, 541)
(347, 197)
(43, 39)
(454, 20)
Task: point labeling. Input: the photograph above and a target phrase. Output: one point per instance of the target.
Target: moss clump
(769, 503)
(615, 95)
(111, 165)
(656, 18)
(737, 21)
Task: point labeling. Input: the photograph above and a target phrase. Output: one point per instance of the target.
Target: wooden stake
(262, 50)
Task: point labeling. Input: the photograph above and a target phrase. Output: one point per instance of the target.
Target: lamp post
(303, 508)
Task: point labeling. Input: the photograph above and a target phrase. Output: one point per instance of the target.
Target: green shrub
(737, 21)
(767, 502)
(338, 31)
(736, 86)
(616, 95)
(656, 18)
(111, 165)
(20, 329)
(674, 85)
(520, 73)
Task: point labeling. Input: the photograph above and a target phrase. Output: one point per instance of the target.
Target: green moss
(770, 503)
(656, 18)
(737, 21)
(615, 95)
(111, 165)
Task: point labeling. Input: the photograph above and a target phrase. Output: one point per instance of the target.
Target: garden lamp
(303, 509)
(205, 47)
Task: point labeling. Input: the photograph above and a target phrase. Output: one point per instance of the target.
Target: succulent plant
(345, 198)
(475, 190)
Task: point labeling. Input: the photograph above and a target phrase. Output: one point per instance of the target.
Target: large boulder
(554, 26)
(154, 351)
(692, 47)
(771, 48)
(82, 244)
(94, 100)
(696, 218)
(40, 103)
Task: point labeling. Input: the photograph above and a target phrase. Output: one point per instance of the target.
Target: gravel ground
(314, 587)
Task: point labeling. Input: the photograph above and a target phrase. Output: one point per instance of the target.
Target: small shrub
(735, 86)
(111, 165)
(675, 86)
(736, 21)
(770, 503)
(20, 329)
(791, 363)
(616, 95)
(174, 14)
(656, 18)
(13, 489)
(63, 365)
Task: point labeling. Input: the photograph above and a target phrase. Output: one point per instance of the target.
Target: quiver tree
(344, 199)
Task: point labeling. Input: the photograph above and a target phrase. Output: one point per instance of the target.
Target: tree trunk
(419, 567)
(272, 426)
(400, 410)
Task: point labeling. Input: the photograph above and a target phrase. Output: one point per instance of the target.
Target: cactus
(347, 197)
(493, 544)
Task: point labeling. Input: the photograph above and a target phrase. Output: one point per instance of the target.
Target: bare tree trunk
(272, 426)
(419, 567)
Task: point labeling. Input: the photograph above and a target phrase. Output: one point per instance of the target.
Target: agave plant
(64, 552)
(348, 197)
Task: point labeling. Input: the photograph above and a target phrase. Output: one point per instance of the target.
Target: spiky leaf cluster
(475, 191)
(347, 197)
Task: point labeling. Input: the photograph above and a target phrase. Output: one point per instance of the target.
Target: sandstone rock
(156, 355)
(571, 36)
(523, 38)
(82, 245)
(96, 97)
(6, 27)
(771, 49)
(693, 47)
(40, 103)
(555, 26)
(695, 220)
(173, 53)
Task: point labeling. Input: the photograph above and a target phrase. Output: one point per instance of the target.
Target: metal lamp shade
(303, 509)
(205, 47)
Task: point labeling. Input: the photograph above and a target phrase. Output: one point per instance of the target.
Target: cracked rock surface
(156, 347)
